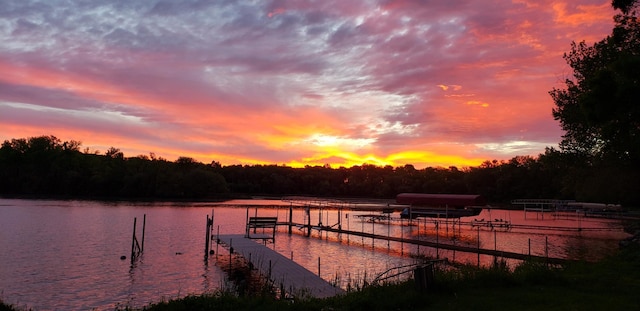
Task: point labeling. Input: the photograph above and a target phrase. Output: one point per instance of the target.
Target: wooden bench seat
(264, 223)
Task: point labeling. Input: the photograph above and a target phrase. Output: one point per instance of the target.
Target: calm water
(65, 255)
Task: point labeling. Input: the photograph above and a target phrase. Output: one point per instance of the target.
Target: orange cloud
(453, 87)
(581, 14)
(477, 103)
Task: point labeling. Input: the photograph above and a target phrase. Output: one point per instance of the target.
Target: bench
(264, 223)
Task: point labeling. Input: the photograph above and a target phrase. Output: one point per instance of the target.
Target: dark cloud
(45, 97)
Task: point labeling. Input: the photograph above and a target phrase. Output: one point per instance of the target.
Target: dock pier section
(287, 274)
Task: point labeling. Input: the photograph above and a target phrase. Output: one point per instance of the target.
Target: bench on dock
(267, 224)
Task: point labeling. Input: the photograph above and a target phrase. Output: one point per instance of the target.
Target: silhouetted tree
(625, 6)
(599, 108)
(599, 111)
(114, 153)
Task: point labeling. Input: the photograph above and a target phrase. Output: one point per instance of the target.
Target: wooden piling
(478, 246)
(133, 241)
(136, 250)
(290, 217)
(217, 239)
(308, 211)
(144, 224)
(206, 239)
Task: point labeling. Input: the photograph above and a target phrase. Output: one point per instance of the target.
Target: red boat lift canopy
(434, 200)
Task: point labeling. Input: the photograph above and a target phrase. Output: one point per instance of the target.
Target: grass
(611, 284)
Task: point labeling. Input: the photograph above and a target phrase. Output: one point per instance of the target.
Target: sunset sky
(428, 83)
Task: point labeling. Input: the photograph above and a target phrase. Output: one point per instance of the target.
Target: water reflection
(65, 255)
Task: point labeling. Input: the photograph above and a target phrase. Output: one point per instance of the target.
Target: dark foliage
(599, 107)
(599, 110)
(624, 5)
(47, 167)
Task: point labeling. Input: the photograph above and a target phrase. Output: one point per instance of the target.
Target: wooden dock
(290, 276)
(460, 248)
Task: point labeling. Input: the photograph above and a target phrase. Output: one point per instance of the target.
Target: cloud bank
(428, 83)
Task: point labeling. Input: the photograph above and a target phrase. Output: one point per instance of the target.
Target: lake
(65, 255)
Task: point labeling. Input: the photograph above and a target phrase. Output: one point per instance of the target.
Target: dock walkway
(289, 275)
(461, 248)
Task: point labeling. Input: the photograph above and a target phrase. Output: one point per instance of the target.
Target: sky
(288, 82)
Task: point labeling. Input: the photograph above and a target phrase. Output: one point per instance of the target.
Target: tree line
(46, 166)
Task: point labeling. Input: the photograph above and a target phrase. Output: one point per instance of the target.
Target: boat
(440, 205)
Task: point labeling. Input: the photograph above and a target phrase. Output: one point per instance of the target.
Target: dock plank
(294, 278)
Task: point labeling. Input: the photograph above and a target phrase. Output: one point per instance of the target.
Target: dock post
(425, 230)
(246, 221)
(446, 224)
(495, 246)
(290, 217)
(348, 227)
(388, 232)
(308, 211)
(144, 223)
(478, 246)
(362, 230)
(401, 237)
(136, 250)
(340, 218)
(206, 240)
(326, 216)
(255, 214)
(133, 241)
(373, 233)
(437, 241)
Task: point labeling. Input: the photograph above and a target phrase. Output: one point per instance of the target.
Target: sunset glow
(295, 83)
